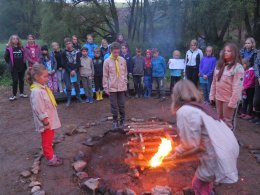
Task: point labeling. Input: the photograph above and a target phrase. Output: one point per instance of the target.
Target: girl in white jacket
(203, 134)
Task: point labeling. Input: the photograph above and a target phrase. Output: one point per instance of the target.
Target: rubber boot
(68, 101)
(101, 95)
(98, 96)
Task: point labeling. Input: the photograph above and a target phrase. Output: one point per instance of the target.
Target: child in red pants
(44, 111)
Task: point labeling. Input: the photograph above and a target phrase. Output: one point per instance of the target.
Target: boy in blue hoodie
(90, 45)
(158, 73)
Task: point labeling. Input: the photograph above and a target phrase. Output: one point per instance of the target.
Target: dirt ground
(19, 142)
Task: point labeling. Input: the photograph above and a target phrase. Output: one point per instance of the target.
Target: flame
(164, 149)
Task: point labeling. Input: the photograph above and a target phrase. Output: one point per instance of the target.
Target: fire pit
(133, 159)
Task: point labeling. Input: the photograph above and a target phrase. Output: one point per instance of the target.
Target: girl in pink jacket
(227, 84)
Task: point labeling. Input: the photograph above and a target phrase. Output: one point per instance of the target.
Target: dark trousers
(147, 86)
(257, 97)
(98, 83)
(18, 78)
(117, 103)
(192, 74)
(247, 106)
(68, 84)
(174, 80)
(159, 86)
(138, 84)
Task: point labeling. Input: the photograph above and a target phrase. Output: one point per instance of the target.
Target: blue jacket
(159, 66)
(129, 63)
(90, 47)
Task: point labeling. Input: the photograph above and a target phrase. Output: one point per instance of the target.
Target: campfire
(149, 145)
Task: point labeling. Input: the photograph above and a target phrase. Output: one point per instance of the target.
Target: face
(193, 46)
(176, 55)
(138, 52)
(84, 53)
(15, 40)
(148, 55)
(44, 52)
(124, 49)
(209, 51)
(42, 78)
(31, 40)
(104, 44)
(155, 54)
(69, 45)
(55, 47)
(245, 66)
(90, 39)
(74, 40)
(115, 52)
(248, 44)
(97, 53)
(227, 54)
(120, 37)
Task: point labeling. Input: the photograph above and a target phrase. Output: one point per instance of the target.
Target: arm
(212, 67)
(237, 86)
(213, 88)
(200, 68)
(38, 105)
(251, 80)
(54, 63)
(164, 65)
(28, 56)
(7, 56)
(105, 76)
(65, 62)
(92, 68)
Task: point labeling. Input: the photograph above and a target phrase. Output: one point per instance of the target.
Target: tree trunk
(136, 19)
(145, 13)
(140, 21)
(131, 20)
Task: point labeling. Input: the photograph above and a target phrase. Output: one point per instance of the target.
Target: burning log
(154, 130)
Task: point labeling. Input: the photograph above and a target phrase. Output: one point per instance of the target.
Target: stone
(92, 141)
(41, 192)
(82, 175)
(188, 191)
(34, 183)
(79, 165)
(92, 183)
(81, 129)
(112, 191)
(109, 118)
(120, 192)
(79, 156)
(35, 169)
(137, 120)
(35, 189)
(25, 173)
(129, 192)
(178, 193)
(93, 124)
(161, 190)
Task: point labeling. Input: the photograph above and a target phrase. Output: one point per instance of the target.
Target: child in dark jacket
(138, 72)
(60, 70)
(206, 70)
(71, 62)
(98, 75)
(104, 49)
(126, 55)
(15, 58)
(148, 74)
(50, 63)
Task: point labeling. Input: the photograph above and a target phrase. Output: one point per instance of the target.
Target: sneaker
(55, 161)
(23, 95)
(13, 98)
(162, 99)
(115, 125)
(122, 124)
(91, 100)
(87, 100)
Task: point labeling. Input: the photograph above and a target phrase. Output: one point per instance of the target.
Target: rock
(137, 120)
(188, 191)
(92, 183)
(120, 192)
(35, 189)
(82, 175)
(112, 191)
(25, 173)
(41, 192)
(93, 124)
(109, 118)
(129, 192)
(80, 156)
(35, 169)
(161, 190)
(34, 183)
(178, 193)
(92, 141)
(81, 129)
(79, 165)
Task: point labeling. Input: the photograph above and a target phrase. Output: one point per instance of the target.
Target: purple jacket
(28, 54)
(207, 66)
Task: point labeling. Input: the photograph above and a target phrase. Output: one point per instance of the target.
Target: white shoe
(12, 98)
(23, 95)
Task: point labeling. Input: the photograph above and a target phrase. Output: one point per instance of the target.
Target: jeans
(117, 104)
(174, 80)
(138, 85)
(60, 74)
(192, 74)
(18, 78)
(87, 84)
(68, 83)
(147, 86)
(159, 86)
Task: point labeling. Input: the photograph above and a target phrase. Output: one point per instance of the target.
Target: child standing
(159, 71)
(104, 48)
(227, 84)
(71, 62)
(90, 45)
(148, 74)
(175, 73)
(49, 61)
(15, 58)
(138, 72)
(248, 91)
(125, 54)
(203, 134)
(98, 76)
(32, 51)
(76, 44)
(87, 73)
(115, 83)
(45, 114)
(60, 70)
(206, 70)
(249, 52)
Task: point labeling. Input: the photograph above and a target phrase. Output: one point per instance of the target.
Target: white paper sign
(176, 64)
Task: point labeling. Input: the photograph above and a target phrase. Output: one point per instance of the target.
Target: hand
(205, 77)
(72, 73)
(44, 122)
(107, 92)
